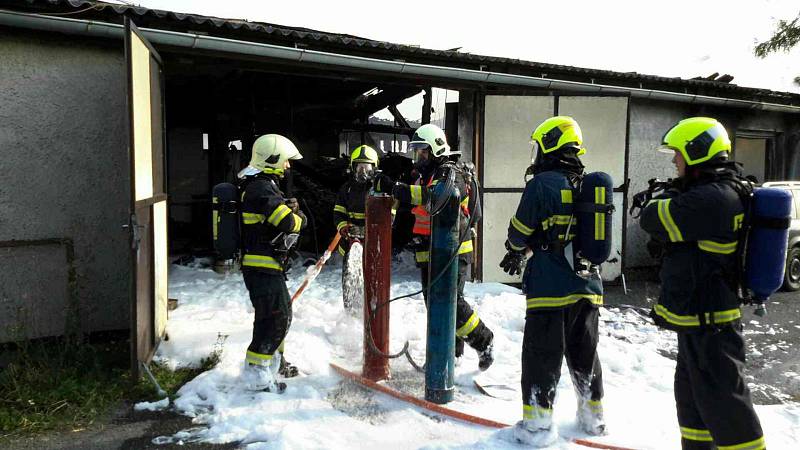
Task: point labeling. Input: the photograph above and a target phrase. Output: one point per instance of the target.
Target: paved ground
(773, 341)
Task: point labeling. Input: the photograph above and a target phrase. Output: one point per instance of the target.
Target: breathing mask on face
(534, 156)
(422, 155)
(363, 172)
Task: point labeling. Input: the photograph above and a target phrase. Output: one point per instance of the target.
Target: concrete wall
(63, 138)
(649, 120)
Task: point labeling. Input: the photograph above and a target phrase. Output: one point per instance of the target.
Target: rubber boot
(590, 417)
(538, 432)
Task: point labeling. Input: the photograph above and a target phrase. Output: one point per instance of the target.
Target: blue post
(439, 357)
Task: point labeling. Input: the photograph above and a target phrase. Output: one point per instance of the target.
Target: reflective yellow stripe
(271, 171)
(555, 302)
(250, 218)
(257, 358)
(340, 208)
(694, 321)
(354, 215)
(758, 444)
(566, 196)
(558, 219)
(599, 218)
(341, 225)
(470, 325)
(298, 223)
(416, 194)
(595, 406)
(282, 347)
(666, 220)
(280, 212)
(261, 261)
(465, 202)
(341, 250)
(535, 412)
(215, 219)
(561, 236)
(425, 256)
(693, 434)
(519, 226)
(515, 247)
(718, 247)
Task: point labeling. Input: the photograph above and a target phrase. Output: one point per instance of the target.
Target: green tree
(785, 37)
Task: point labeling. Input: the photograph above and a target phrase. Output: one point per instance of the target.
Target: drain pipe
(232, 46)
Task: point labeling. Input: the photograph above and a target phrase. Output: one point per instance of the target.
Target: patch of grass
(52, 384)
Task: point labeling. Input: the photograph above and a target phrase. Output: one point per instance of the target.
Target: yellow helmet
(270, 153)
(364, 154)
(556, 133)
(698, 139)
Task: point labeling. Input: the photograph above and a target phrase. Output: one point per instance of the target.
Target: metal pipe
(442, 291)
(377, 284)
(196, 41)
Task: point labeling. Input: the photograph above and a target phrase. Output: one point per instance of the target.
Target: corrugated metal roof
(349, 44)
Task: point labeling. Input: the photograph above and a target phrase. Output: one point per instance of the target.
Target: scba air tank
(765, 260)
(593, 211)
(225, 220)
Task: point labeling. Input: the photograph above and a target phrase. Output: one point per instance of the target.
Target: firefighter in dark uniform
(562, 307)
(349, 210)
(699, 220)
(433, 158)
(270, 226)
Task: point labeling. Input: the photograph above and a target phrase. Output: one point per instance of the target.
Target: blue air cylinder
(225, 220)
(443, 275)
(593, 210)
(766, 244)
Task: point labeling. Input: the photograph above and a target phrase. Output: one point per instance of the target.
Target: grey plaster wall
(649, 120)
(64, 174)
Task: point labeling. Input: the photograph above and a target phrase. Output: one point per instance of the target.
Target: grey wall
(649, 120)
(64, 174)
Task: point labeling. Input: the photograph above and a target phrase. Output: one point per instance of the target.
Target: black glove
(384, 184)
(514, 261)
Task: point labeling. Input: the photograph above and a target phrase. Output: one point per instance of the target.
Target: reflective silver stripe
(280, 212)
(757, 444)
(694, 434)
(298, 223)
(694, 320)
(266, 262)
(666, 220)
(556, 302)
(258, 359)
(468, 326)
(530, 412)
(521, 227)
(723, 248)
(251, 219)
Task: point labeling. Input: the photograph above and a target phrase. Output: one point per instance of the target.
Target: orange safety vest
(422, 218)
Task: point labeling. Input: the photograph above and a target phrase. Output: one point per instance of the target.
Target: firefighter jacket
(350, 207)
(541, 223)
(700, 230)
(266, 222)
(419, 195)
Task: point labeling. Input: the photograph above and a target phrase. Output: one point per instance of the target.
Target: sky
(676, 38)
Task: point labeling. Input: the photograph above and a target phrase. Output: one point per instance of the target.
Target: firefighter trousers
(712, 398)
(550, 336)
(273, 314)
(469, 327)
